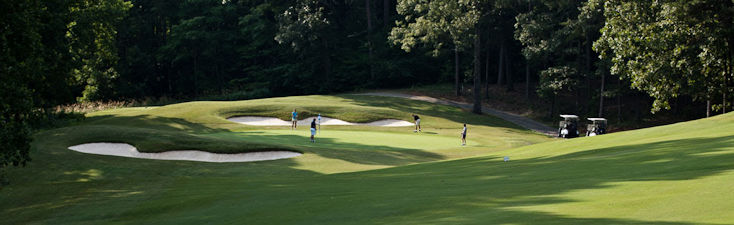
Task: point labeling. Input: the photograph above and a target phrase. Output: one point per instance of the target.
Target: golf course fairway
(676, 174)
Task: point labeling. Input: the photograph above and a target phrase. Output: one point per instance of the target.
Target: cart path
(513, 118)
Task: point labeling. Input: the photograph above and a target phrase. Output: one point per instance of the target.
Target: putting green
(344, 139)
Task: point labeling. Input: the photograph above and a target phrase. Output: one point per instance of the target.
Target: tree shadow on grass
(78, 188)
(152, 122)
(376, 154)
(451, 113)
(487, 190)
(468, 191)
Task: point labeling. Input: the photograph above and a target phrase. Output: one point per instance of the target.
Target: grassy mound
(675, 174)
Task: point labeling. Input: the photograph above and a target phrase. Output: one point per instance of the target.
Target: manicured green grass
(676, 174)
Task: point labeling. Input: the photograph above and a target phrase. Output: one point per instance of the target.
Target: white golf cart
(598, 126)
(568, 127)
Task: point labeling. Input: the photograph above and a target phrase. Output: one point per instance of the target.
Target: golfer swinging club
(417, 123)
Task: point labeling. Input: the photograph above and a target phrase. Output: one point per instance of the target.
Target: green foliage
(549, 31)
(46, 44)
(20, 61)
(301, 24)
(93, 46)
(555, 80)
(670, 48)
(557, 38)
(435, 24)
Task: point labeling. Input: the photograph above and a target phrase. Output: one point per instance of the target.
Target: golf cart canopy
(597, 119)
(570, 117)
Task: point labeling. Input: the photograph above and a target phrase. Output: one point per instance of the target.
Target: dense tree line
(259, 48)
(51, 52)
(573, 55)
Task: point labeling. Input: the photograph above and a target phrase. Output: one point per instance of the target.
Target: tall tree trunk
(619, 101)
(727, 76)
(456, 71)
(196, 68)
(508, 70)
(527, 80)
(477, 71)
(220, 79)
(486, 74)
(386, 13)
(724, 102)
(170, 82)
(578, 77)
(527, 70)
(368, 15)
(729, 67)
(601, 96)
(369, 37)
(726, 79)
(327, 61)
(553, 107)
(587, 64)
(500, 63)
(708, 108)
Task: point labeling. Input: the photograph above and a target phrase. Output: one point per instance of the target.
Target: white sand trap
(269, 121)
(126, 150)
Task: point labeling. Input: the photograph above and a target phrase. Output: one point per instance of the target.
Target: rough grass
(676, 174)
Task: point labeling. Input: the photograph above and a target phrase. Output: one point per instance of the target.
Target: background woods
(591, 58)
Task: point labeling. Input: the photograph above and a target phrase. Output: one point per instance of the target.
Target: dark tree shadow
(451, 113)
(152, 122)
(531, 182)
(376, 154)
(468, 191)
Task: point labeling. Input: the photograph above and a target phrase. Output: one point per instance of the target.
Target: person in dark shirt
(313, 130)
(417, 123)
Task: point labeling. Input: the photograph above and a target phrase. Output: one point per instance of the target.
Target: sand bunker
(126, 150)
(269, 121)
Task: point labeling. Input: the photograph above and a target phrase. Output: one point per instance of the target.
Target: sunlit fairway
(675, 174)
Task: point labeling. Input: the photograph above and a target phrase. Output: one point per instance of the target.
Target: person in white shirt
(417, 120)
(319, 122)
(463, 136)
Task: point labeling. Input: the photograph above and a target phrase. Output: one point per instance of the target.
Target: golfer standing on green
(313, 130)
(294, 119)
(319, 122)
(463, 136)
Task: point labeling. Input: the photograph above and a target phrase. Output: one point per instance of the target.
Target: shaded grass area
(153, 140)
(338, 107)
(353, 114)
